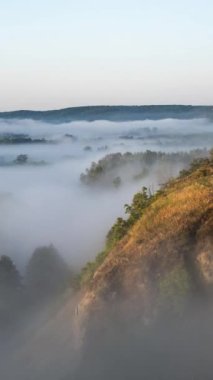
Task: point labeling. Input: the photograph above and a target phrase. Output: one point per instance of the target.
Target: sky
(63, 53)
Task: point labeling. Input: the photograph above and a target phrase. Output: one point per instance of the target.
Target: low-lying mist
(62, 188)
(46, 203)
(172, 348)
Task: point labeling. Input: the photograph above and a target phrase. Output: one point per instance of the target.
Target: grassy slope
(172, 243)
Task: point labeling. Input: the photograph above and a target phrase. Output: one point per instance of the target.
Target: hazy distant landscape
(43, 198)
(114, 113)
(106, 190)
(75, 183)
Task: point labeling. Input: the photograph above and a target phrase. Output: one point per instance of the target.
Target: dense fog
(42, 200)
(53, 220)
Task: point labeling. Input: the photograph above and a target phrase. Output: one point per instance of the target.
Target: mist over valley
(81, 231)
(43, 200)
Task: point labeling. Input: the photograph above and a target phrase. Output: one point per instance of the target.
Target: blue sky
(65, 53)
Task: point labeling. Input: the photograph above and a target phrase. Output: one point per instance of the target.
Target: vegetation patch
(116, 168)
(174, 289)
(182, 201)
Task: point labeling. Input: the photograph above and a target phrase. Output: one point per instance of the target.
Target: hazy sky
(59, 53)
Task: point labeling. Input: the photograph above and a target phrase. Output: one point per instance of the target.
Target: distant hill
(113, 113)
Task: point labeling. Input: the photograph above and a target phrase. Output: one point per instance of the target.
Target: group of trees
(19, 138)
(109, 170)
(134, 211)
(47, 275)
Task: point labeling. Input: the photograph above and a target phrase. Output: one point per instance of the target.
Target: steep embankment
(166, 255)
(111, 328)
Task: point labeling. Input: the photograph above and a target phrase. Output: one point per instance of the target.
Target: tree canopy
(47, 273)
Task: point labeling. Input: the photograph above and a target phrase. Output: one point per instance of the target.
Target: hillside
(165, 255)
(113, 113)
(145, 311)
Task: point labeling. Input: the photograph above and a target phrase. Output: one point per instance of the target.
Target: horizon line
(106, 106)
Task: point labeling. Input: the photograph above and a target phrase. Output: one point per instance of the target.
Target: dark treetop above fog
(113, 113)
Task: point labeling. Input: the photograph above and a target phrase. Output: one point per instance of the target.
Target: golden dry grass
(181, 212)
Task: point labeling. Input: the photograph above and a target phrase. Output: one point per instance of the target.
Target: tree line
(46, 276)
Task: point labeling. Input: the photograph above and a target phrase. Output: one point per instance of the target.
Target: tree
(21, 159)
(47, 274)
(134, 211)
(117, 181)
(139, 203)
(10, 291)
(10, 279)
(117, 231)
